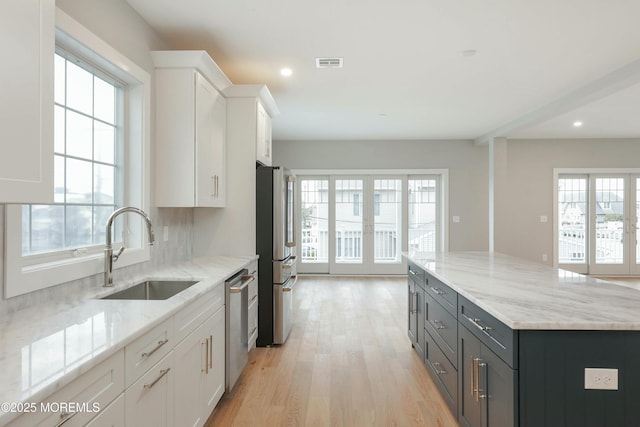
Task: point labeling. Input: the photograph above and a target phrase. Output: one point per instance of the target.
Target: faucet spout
(109, 257)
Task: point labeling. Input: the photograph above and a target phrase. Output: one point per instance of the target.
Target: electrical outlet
(543, 218)
(456, 219)
(600, 379)
(544, 258)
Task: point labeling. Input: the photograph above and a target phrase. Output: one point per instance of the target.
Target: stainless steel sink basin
(152, 290)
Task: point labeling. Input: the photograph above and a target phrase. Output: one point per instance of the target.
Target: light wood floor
(347, 362)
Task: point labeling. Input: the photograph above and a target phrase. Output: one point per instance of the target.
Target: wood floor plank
(347, 362)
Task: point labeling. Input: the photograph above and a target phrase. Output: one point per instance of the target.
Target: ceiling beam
(615, 81)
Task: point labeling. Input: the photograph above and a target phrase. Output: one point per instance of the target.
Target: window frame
(22, 276)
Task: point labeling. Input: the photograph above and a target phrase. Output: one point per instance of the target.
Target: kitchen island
(511, 342)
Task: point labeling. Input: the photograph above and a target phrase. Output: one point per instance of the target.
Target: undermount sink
(152, 290)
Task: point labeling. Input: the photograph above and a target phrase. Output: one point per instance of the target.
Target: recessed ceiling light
(383, 114)
(286, 72)
(577, 124)
(469, 52)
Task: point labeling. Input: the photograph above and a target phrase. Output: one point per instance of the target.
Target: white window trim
(20, 279)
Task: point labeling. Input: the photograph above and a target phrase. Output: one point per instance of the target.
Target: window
(100, 164)
(87, 139)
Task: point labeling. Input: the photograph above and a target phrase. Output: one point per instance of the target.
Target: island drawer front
(443, 328)
(445, 375)
(417, 274)
(443, 294)
(489, 330)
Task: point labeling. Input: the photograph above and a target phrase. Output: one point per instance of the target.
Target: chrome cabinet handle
(64, 417)
(411, 294)
(160, 344)
(438, 367)
(476, 379)
(206, 357)
(211, 351)
(473, 376)
(438, 324)
(213, 186)
(437, 291)
(163, 372)
(482, 392)
(253, 331)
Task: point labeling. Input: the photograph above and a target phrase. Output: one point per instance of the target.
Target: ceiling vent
(329, 62)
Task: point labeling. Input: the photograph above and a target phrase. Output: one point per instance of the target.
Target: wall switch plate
(455, 219)
(600, 379)
(165, 233)
(543, 218)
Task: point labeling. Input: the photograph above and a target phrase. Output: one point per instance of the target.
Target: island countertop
(526, 295)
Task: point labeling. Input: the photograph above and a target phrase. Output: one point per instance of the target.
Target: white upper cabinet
(190, 138)
(263, 140)
(27, 41)
(251, 110)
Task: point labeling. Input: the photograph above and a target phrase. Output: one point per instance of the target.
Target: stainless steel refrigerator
(276, 246)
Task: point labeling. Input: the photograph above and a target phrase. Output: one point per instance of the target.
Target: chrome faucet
(109, 257)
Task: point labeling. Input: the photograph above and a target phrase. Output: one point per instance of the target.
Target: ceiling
(539, 65)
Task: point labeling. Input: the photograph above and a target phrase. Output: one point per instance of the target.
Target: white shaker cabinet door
(27, 41)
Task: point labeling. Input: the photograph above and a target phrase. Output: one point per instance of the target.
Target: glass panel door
(634, 224)
(423, 215)
(314, 225)
(386, 226)
(609, 215)
(349, 226)
(572, 223)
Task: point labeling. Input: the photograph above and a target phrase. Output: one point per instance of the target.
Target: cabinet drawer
(147, 350)
(99, 386)
(150, 400)
(442, 293)
(443, 372)
(192, 316)
(442, 327)
(416, 273)
(490, 331)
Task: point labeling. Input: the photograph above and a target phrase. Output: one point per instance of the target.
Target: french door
(361, 223)
(367, 226)
(598, 223)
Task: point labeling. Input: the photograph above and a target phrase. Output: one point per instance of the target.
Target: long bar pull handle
(211, 351)
(246, 279)
(160, 344)
(411, 310)
(476, 364)
(64, 417)
(163, 372)
(438, 324)
(206, 352)
(482, 392)
(473, 376)
(438, 368)
(206, 360)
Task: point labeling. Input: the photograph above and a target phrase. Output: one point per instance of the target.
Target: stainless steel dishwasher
(237, 324)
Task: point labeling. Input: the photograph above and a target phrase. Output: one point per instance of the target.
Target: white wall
(529, 187)
(466, 162)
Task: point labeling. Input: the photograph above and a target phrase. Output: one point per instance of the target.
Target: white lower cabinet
(111, 416)
(81, 400)
(200, 376)
(149, 402)
(173, 375)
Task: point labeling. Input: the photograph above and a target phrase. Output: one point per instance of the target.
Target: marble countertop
(526, 295)
(44, 348)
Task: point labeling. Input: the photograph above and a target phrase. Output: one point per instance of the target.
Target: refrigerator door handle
(291, 210)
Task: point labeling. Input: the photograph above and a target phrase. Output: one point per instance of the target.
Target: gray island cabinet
(513, 343)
